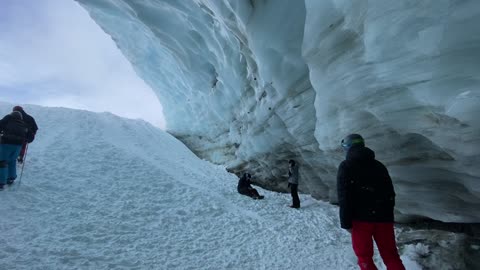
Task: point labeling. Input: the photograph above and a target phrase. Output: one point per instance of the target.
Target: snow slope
(102, 192)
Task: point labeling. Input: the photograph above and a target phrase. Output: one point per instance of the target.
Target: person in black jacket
(245, 188)
(32, 131)
(13, 133)
(367, 198)
(293, 177)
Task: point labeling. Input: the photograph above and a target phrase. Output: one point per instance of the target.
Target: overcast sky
(53, 54)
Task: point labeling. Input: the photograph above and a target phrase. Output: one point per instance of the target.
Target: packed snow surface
(102, 192)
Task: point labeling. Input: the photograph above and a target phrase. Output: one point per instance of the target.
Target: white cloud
(53, 54)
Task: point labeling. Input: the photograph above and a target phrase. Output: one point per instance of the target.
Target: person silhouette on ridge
(32, 131)
(13, 132)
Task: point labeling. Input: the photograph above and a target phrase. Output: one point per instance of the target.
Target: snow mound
(103, 192)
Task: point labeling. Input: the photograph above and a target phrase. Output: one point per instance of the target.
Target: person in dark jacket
(293, 178)
(13, 133)
(32, 131)
(244, 187)
(367, 198)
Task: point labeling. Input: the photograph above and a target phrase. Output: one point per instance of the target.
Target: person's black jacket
(13, 130)
(243, 184)
(365, 189)
(31, 125)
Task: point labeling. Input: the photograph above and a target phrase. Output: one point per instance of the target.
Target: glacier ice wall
(251, 84)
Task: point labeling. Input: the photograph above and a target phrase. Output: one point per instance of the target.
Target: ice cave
(251, 84)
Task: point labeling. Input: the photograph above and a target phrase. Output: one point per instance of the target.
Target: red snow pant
(363, 234)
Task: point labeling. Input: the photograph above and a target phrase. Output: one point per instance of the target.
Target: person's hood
(360, 153)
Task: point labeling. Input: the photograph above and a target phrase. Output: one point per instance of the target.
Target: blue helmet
(351, 140)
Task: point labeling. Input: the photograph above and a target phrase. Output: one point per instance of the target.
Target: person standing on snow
(13, 133)
(32, 131)
(367, 198)
(293, 178)
(245, 188)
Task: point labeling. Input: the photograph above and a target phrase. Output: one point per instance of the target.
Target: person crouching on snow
(246, 189)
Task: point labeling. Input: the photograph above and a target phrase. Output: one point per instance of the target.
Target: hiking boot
(293, 206)
(10, 181)
(20, 160)
(1, 186)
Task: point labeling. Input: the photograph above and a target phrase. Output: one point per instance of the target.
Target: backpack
(14, 132)
(32, 127)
